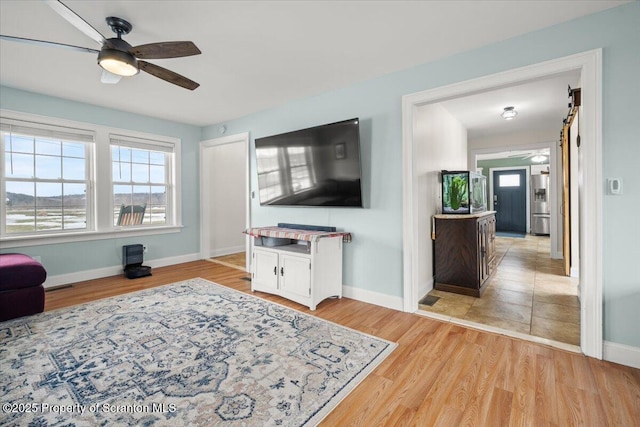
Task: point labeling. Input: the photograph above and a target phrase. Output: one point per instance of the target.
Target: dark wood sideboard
(465, 252)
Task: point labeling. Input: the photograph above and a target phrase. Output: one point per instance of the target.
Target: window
(64, 181)
(140, 174)
(45, 178)
(509, 180)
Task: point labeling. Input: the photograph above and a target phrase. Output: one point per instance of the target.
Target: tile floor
(528, 293)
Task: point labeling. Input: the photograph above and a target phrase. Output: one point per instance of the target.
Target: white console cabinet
(306, 272)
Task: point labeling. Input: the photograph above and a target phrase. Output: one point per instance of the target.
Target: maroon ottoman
(21, 290)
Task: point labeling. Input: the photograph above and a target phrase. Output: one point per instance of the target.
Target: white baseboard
(80, 276)
(227, 251)
(622, 354)
(383, 300)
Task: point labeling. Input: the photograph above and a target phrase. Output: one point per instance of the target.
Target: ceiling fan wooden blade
(163, 50)
(167, 75)
(49, 44)
(75, 20)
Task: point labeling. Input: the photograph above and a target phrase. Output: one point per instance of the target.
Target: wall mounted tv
(318, 166)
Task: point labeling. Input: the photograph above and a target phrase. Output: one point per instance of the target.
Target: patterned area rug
(190, 353)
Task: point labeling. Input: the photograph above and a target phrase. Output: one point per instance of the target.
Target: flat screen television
(318, 166)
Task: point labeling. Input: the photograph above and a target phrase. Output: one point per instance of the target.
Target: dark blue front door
(510, 200)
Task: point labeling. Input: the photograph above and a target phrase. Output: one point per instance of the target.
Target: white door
(265, 271)
(295, 275)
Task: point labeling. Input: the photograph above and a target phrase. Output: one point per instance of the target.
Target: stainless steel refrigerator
(540, 209)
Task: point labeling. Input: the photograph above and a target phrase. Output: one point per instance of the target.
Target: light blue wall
(373, 261)
(73, 257)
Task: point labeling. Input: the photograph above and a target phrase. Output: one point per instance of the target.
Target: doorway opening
(418, 263)
(225, 200)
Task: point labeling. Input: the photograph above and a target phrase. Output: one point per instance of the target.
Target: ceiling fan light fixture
(539, 158)
(509, 113)
(118, 62)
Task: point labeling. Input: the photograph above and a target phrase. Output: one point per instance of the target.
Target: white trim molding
(100, 209)
(99, 273)
(622, 354)
(227, 251)
(371, 297)
(590, 66)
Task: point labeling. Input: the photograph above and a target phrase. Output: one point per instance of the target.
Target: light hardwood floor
(237, 260)
(440, 374)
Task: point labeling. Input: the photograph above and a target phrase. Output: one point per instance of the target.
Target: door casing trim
(591, 270)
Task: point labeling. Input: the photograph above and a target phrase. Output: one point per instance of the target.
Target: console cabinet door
(491, 243)
(483, 261)
(265, 271)
(464, 253)
(295, 275)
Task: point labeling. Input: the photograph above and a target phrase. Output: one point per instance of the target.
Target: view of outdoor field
(52, 213)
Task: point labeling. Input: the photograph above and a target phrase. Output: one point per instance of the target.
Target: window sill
(84, 236)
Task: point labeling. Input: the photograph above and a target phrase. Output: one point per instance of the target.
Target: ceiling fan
(536, 156)
(117, 57)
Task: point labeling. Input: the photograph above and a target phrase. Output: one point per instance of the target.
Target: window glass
(73, 149)
(18, 165)
(509, 180)
(48, 146)
(50, 186)
(48, 206)
(45, 182)
(20, 207)
(139, 172)
(156, 174)
(75, 204)
(73, 168)
(19, 144)
(48, 167)
(140, 156)
(133, 172)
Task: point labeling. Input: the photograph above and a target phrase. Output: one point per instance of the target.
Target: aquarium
(463, 192)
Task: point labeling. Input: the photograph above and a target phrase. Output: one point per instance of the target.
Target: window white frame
(78, 135)
(100, 213)
(157, 146)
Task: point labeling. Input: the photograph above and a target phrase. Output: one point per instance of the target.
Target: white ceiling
(257, 55)
(541, 105)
